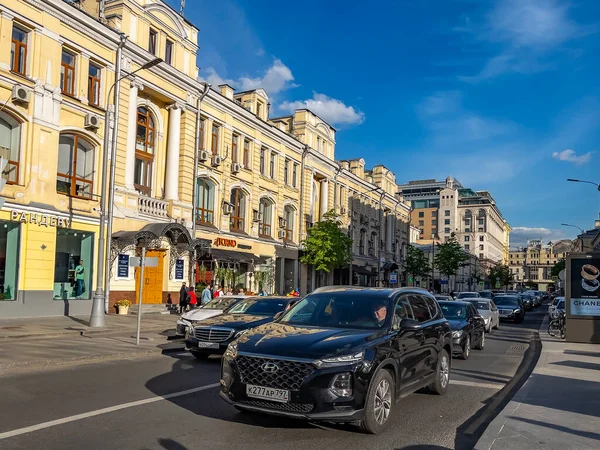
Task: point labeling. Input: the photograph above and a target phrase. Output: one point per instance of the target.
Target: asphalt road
(171, 402)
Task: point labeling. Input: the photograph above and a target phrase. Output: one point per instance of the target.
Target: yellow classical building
(194, 169)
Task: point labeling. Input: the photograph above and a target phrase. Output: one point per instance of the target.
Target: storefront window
(73, 265)
(9, 260)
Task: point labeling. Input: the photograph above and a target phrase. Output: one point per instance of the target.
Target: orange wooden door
(153, 279)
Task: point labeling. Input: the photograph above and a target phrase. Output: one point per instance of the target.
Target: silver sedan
(488, 310)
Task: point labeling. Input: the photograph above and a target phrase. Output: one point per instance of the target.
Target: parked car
(212, 336)
(486, 294)
(528, 301)
(441, 298)
(510, 307)
(211, 309)
(468, 327)
(464, 295)
(342, 354)
(488, 310)
(557, 304)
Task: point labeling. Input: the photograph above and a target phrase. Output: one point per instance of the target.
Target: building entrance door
(153, 279)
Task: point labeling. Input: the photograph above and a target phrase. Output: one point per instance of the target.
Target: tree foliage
(326, 246)
(558, 267)
(501, 273)
(417, 263)
(449, 256)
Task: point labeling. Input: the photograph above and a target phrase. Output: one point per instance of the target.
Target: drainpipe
(194, 190)
(304, 153)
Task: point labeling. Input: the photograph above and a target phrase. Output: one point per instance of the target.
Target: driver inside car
(379, 313)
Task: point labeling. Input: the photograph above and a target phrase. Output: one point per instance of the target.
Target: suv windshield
(507, 300)
(453, 311)
(485, 306)
(262, 306)
(467, 295)
(221, 303)
(339, 310)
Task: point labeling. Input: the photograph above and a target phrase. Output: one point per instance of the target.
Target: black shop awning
(390, 266)
(362, 270)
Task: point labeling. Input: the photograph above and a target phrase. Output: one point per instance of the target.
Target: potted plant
(123, 306)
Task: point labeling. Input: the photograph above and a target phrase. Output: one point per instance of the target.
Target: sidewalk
(558, 407)
(78, 325)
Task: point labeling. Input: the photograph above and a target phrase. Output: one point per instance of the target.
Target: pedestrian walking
(183, 299)
(218, 292)
(79, 279)
(206, 295)
(192, 300)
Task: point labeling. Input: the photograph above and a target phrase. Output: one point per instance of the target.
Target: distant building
(531, 266)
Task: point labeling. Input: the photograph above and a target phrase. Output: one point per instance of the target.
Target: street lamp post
(433, 238)
(103, 266)
(584, 181)
(573, 226)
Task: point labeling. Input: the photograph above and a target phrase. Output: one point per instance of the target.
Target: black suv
(342, 354)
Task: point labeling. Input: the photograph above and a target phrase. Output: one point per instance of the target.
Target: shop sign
(222, 242)
(40, 219)
(245, 247)
(123, 266)
(585, 287)
(179, 269)
(393, 277)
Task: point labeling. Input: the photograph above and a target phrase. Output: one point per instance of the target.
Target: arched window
(205, 201)
(237, 218)
(75, 166)
(362, 249)
(288, 216)
(265, 209)
(144, 151)
(10, 133)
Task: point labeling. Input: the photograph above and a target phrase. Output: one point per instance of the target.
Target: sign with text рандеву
(585, 287)
(40, 219)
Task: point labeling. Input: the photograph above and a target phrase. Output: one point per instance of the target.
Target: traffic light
(3, 163)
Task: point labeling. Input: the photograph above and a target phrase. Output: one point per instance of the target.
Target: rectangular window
(480, 229)
(481, 256)
(214, 146)
(169, 52)
(9, 263)
(421, 223)
(67, 73)
(434, 222)
(94, 84)
(234, 148)
(481, 247)
(295, 175)
(481, 240)
(152, 41)
(246, 153)
(467, 221)
(73, 264)
(433, 213)
(446, 221)
(263, 167)
(446, 230)
(259, 107)
(201, 137)
(467, 230)
(481, 221)
(421, 214)
(466, 246)
(75, 174)
(18, 51)
(447, 213)
(286, 169)
(272, 166)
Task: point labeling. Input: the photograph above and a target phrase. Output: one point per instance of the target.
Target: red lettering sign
(221, 242)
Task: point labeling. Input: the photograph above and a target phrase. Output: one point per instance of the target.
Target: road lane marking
(478, 384)
(97, 412)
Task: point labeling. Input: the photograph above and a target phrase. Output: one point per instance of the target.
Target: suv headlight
(517, 311)
(457, 334)
(232, 350)
(341, 360)
(486, 320)
(341, 384)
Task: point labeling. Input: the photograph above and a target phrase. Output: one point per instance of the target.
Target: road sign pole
(139, 317)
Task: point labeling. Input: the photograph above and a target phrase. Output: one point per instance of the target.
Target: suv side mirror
(410, 324)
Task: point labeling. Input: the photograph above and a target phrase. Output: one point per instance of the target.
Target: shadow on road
(555, 427)
(423, 447)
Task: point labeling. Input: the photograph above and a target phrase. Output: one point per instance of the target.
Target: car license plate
(266, 393)
(208, 345)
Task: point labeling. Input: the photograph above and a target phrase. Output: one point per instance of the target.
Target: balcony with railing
(153, 207)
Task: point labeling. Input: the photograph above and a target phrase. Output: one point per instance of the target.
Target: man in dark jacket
(183, 299)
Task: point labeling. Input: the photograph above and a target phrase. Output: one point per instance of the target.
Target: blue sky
(503, 94)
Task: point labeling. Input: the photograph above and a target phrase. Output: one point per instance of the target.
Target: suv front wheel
(379, 404)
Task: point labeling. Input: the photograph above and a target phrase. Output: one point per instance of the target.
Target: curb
(79, 333)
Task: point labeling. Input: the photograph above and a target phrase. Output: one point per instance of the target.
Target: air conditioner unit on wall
(92, 121)
(281, 234)
(256, 216)
(203, 155)
(20, 94)
(216, 160)
(282, 222)
(227, 208)
(235, 168)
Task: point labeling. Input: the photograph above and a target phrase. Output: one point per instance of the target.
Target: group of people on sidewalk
(188, 299)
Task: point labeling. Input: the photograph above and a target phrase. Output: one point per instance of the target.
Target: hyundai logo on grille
(270, 367)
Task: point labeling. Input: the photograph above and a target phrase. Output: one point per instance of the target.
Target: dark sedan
(510, 308)
(212, 336)
(468, 327)
(527, 301)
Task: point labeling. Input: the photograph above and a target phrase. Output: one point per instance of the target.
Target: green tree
(449, 256)
(501, 273)
(558, 267)
(326, 246)
(417, 263)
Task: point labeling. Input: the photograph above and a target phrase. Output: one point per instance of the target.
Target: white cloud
(570, 156)
(329, 109)
(277, 78)
(520, 235)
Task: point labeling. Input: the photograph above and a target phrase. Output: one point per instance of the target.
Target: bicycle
(558, 324)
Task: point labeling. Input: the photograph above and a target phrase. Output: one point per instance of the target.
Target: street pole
(141, 288)
(98, 306)
(379, 280)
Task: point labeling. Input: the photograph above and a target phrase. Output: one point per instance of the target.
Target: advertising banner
(585, 287)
